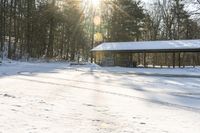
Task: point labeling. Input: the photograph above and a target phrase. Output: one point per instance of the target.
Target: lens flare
(97, 20)
(98, 37)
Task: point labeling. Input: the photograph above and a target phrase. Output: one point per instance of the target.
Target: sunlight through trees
(61, 29)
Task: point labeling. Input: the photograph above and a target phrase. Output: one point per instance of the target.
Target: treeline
(128, 20)
(64, 29)
(41, 28)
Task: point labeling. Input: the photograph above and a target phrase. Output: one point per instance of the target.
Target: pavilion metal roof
(172, 45)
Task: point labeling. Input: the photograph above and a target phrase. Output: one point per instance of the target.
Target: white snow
(59, 98)
(148, 45)
(188, 71)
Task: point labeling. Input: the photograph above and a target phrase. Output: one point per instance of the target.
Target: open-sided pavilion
(171, 53)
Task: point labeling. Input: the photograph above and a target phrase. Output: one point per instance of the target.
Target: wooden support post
(114, 56)
(138, 59)
(91, 56)
(131, 56)
(100, 58)
(179, 59)
(161, 62)
(198, 58)
(174, 58)
(168, 63)
(95, 58)
(154, 54)
(183, 60)
(194, 62)
(144, 59)
(156, 59)
(165, 59)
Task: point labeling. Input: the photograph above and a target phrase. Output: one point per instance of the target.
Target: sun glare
(92, 3)
(95, 3)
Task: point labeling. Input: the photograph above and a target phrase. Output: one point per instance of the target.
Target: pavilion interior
(148, 59)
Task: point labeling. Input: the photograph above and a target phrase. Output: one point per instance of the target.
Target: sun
(95, 3)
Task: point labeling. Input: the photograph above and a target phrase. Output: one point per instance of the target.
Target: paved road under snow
(51, 98)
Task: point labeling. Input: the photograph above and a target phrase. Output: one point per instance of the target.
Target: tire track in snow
(179, 94)
(113, 93)
(141, 73)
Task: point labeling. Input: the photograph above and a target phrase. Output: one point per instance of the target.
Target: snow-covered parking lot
(58, 98)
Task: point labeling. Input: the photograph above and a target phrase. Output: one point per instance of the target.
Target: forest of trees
(63, 29)
(41, 28)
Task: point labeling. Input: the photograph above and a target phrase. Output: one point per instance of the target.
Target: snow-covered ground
(59, 98)
(168, 72)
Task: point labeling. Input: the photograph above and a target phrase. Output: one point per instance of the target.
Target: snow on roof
(148, 45)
